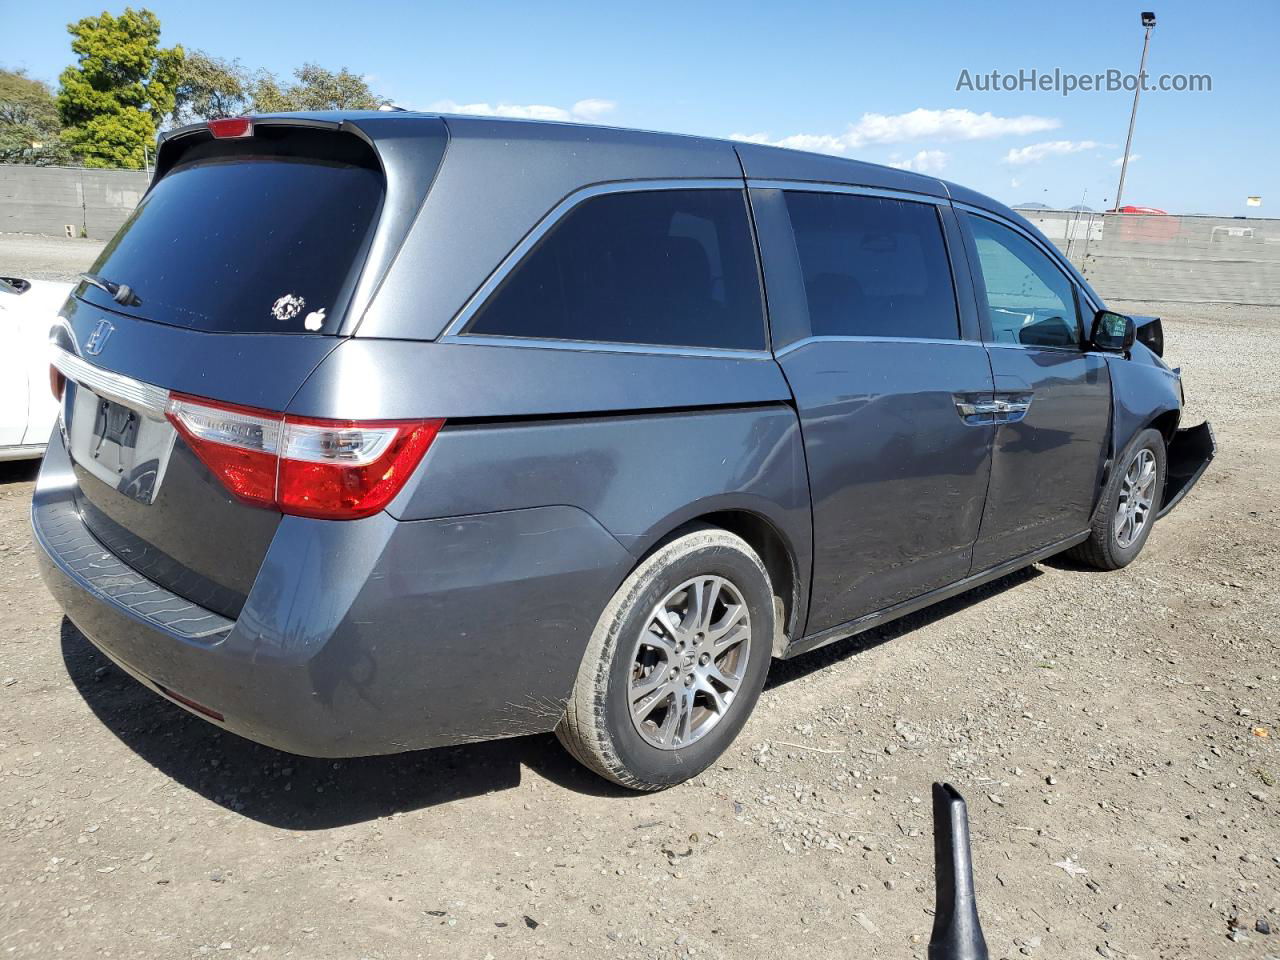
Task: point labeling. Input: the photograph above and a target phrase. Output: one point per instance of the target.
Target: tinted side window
(672, 267)
(1029, 300)
(873, 267)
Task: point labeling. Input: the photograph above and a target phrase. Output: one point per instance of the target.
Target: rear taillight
(239, 444)
(57, 382)
(333, 469)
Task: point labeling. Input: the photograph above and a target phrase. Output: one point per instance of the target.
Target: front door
(897, 470)
(1047, 459)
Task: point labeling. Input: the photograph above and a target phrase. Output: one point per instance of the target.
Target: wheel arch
(1142, 396)
(786, 561)
(1166, 423)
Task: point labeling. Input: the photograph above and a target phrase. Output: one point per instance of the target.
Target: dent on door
(896, 473)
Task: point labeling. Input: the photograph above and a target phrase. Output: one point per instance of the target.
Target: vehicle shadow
(18, 471)
(304, 793)
(1063, 561)
(785, 671)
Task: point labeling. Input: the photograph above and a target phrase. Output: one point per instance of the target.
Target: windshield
(261, 235)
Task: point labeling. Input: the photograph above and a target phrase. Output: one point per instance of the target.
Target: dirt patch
(1102, 727)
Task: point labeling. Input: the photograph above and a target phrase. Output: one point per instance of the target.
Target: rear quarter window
(261, 235)
(661, 267)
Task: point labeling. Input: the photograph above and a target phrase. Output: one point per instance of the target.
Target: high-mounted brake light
(332, 469)
(229, 128)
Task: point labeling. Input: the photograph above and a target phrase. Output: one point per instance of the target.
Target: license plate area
(125, 448)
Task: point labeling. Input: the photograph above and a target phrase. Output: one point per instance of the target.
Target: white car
(28, 308)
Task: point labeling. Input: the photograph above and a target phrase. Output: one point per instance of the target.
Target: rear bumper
(1190, 452)
(363, 637)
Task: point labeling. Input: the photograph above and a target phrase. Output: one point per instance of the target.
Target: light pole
(1148, 21)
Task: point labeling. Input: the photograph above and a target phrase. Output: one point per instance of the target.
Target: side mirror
(1113, 332)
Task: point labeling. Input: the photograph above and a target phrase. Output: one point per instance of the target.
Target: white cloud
(1036, 152)
(1015, 182)
(591, 110)
(926, 161)
(1119, 161)
(944, 125)
(820, 143)
(919, 124)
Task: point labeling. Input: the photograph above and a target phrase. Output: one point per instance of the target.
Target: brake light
(337, 469)
(308, 467)
(239, 444)
(231, 128)
(57, 382)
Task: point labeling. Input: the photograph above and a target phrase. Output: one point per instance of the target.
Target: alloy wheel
(689, 662)
(1137, 494)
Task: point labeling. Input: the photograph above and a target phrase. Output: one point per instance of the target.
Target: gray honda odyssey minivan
(386, 431)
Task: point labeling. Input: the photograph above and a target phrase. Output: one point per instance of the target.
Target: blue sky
(872, 81)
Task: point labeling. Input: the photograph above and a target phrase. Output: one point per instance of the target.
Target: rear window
(666, 267)
(261, 235)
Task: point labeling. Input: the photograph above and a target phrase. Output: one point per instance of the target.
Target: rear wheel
(1128, 507)
(675, 664)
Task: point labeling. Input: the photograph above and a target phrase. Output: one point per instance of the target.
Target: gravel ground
(1116, 736)
(37, 257)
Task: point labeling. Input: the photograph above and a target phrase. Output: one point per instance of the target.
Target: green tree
(29, 127)
(123, 84)
(209, 87)
(316, 89)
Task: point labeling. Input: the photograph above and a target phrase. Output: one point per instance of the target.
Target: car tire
(662, 691)
(1115, 541)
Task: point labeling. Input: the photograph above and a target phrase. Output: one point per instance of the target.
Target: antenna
(957, 934)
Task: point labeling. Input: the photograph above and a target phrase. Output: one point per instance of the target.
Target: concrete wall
(1192, 259)
(46, 199)
(1125, 256)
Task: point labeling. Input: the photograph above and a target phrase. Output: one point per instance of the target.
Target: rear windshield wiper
(121, 293)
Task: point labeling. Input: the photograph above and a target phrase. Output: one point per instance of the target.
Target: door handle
(976, 408)
(1005, 409)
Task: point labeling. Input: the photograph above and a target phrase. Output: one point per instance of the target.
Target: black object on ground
(957, 934)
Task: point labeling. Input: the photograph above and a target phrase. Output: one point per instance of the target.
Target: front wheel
(675, 664)
(1128, 507)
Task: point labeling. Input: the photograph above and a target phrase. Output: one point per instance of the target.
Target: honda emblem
(98, 339)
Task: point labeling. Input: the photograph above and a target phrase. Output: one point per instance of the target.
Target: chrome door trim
(605, 346)
(805, 341)
(1002, 345)
(453, 331)
(822, 186)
